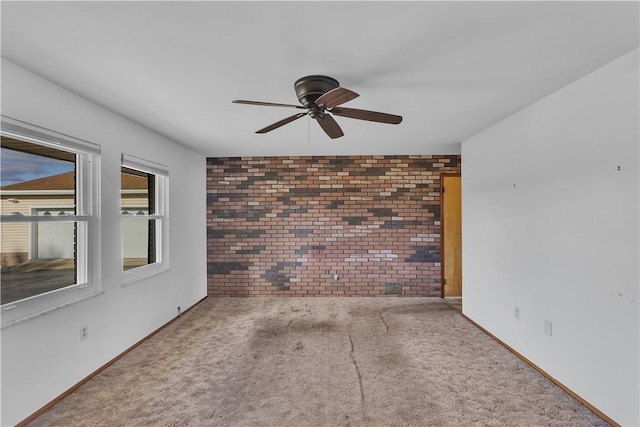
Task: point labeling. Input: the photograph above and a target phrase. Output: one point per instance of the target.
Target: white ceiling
(451, 69)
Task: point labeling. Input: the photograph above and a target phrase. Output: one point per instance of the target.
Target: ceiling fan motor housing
(310, 88)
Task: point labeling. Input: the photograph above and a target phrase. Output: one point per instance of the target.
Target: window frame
(87, 219)
(160, 216)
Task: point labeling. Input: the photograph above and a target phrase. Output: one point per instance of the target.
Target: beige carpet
(320, 362)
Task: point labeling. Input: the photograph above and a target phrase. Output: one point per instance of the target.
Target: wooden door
(451, 236)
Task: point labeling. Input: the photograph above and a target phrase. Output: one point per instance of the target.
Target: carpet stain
(276, 328)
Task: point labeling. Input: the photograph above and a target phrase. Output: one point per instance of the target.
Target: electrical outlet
(84, 333)
(516, 312)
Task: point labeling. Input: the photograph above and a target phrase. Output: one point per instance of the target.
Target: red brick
(323, 226)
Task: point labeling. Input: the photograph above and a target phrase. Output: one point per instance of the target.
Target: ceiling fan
(321, 95)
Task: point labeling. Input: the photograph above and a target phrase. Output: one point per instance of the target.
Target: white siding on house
(54, 240)
(135, 238)
(18, 237)
(135, 232)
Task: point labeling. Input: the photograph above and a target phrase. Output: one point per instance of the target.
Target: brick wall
(284, 226)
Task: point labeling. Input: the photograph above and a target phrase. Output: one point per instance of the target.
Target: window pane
(34, 175)
(137, 190)
(138, 234)
(37, 258)
(138, 242)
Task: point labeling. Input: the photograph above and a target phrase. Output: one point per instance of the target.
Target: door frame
(442, 213)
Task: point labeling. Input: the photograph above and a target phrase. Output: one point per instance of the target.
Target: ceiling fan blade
(267, 104)
(372, 116)
(330, 126)
(281, 123)
(336, 97)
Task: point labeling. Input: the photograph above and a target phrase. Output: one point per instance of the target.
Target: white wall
(43, 357)
(550, 225)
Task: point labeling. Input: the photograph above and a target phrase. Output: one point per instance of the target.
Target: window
(49, 231)
(143, 188)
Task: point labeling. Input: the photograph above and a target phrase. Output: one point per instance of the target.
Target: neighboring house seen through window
(49, 229)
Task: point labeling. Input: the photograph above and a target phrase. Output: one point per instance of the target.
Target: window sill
(48, 310)
(135, 275)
